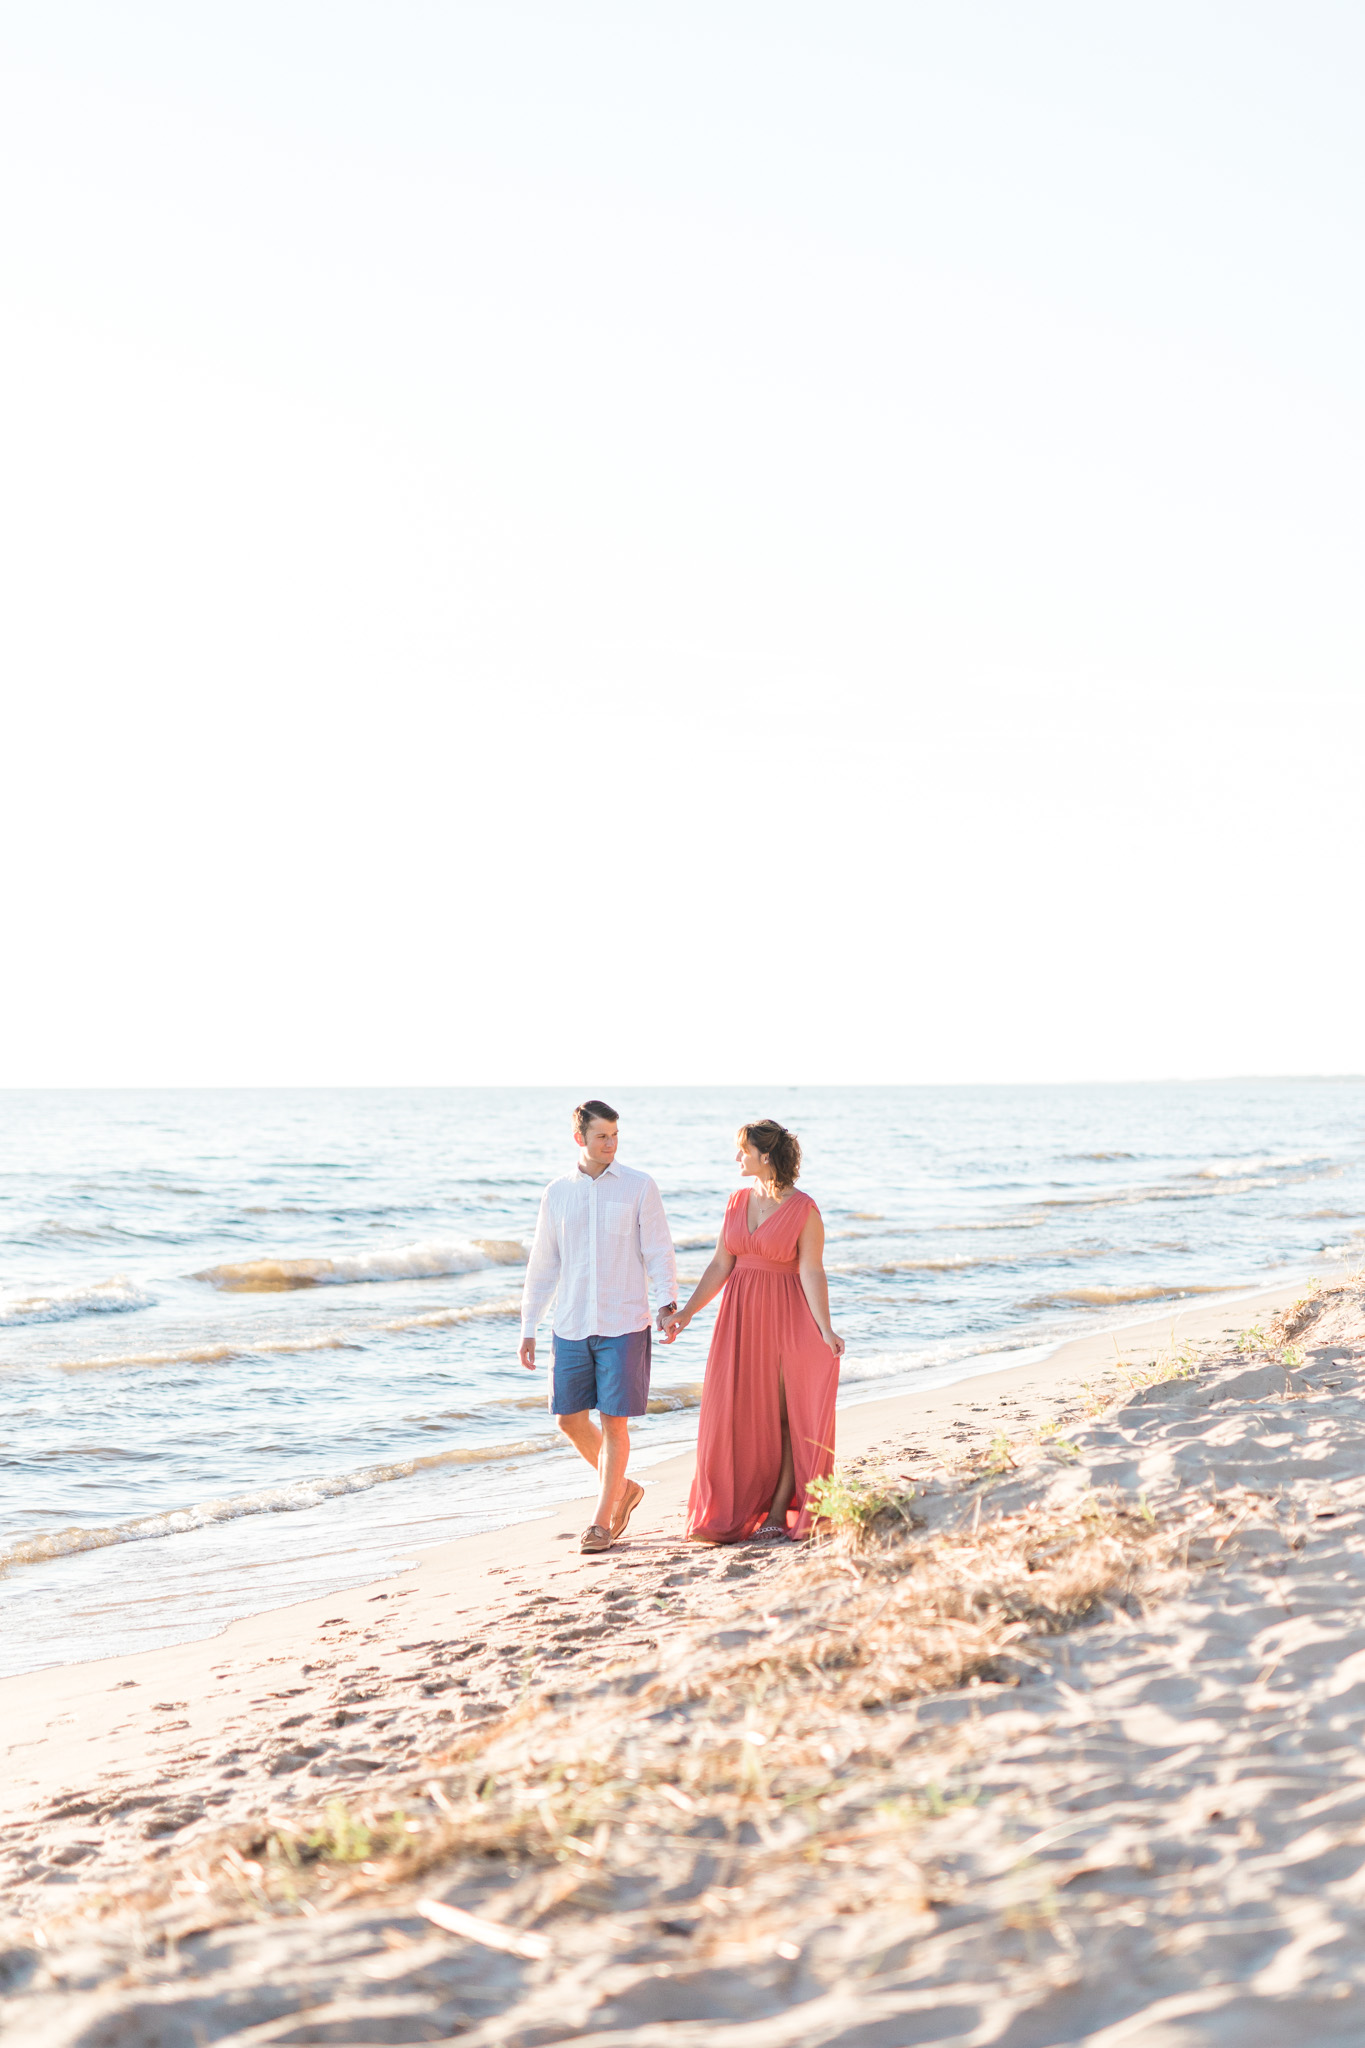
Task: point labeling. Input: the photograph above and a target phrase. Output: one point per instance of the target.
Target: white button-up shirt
(600, 1243)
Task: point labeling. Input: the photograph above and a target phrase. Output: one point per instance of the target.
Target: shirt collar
(612, 1169)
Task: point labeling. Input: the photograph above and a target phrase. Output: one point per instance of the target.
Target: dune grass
(769, 1741)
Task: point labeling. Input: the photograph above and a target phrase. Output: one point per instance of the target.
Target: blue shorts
(610, 1374)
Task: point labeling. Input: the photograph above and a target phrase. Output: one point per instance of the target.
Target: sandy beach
(1055, 1739)
(683, 688)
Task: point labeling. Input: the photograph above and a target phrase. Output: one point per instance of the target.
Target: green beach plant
(854, 1505)
(343, 1836)
(1175, 1363)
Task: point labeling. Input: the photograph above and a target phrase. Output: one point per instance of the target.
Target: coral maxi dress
(765, 1339)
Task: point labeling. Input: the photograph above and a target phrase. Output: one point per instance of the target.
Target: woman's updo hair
(782, 1146)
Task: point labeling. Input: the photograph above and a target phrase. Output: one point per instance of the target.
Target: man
(601, 1239)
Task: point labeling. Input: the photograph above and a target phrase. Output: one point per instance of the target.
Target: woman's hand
(706, 1289)
(814, 1285)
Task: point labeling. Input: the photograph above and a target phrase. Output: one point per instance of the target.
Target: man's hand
(664, 1313)
(527, 1354)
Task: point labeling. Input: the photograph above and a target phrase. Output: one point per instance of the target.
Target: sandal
(594, 1539)
(630, 1500)
(768, 1532)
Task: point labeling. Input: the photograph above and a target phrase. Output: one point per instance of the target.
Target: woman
(767, 1406)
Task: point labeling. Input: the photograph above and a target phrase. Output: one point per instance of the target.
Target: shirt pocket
(617, 1219)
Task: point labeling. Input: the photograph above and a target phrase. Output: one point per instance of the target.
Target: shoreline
(407, 1546)
(554, 1482)
(1056, 1732)
(70, 1725)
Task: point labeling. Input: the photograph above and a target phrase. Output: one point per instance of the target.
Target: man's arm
(656, 1248)
(542, 1280)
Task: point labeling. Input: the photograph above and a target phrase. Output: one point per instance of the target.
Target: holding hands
(672, 1322)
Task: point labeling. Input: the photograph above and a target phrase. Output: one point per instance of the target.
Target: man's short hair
(588, 1112)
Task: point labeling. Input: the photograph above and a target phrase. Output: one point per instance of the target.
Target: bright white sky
(631, 542)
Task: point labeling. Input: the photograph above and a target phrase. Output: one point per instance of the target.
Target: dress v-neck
(768, 1218)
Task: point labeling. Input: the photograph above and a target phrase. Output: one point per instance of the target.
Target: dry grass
(778, 1730)
(1292, 1322)
(928, 1617)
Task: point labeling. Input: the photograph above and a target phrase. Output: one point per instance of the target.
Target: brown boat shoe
(595, 1538)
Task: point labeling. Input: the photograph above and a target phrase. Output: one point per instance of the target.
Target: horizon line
(446, 1087)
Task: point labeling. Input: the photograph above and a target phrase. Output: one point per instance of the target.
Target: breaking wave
(444, 1318)
(669, 1400)
(1021, 1221)
(270, 1500)
(429, 1260)
(664, 1401)
(217, 1354)
(1211, 1182)
(1129, 1198)
(207, 1354)
(1237, 1169)
(1115, 1297)
(940, 1364)
(964, 1264)
(64, 1304)
(967, 1262)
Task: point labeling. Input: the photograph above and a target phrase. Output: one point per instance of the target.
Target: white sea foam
(445, 1318)
(270, 1500)
(64, 1304)
(430, 1260)
(936, 1365)
(1236, 1169)
(965, 1262)
(1205, 1187)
